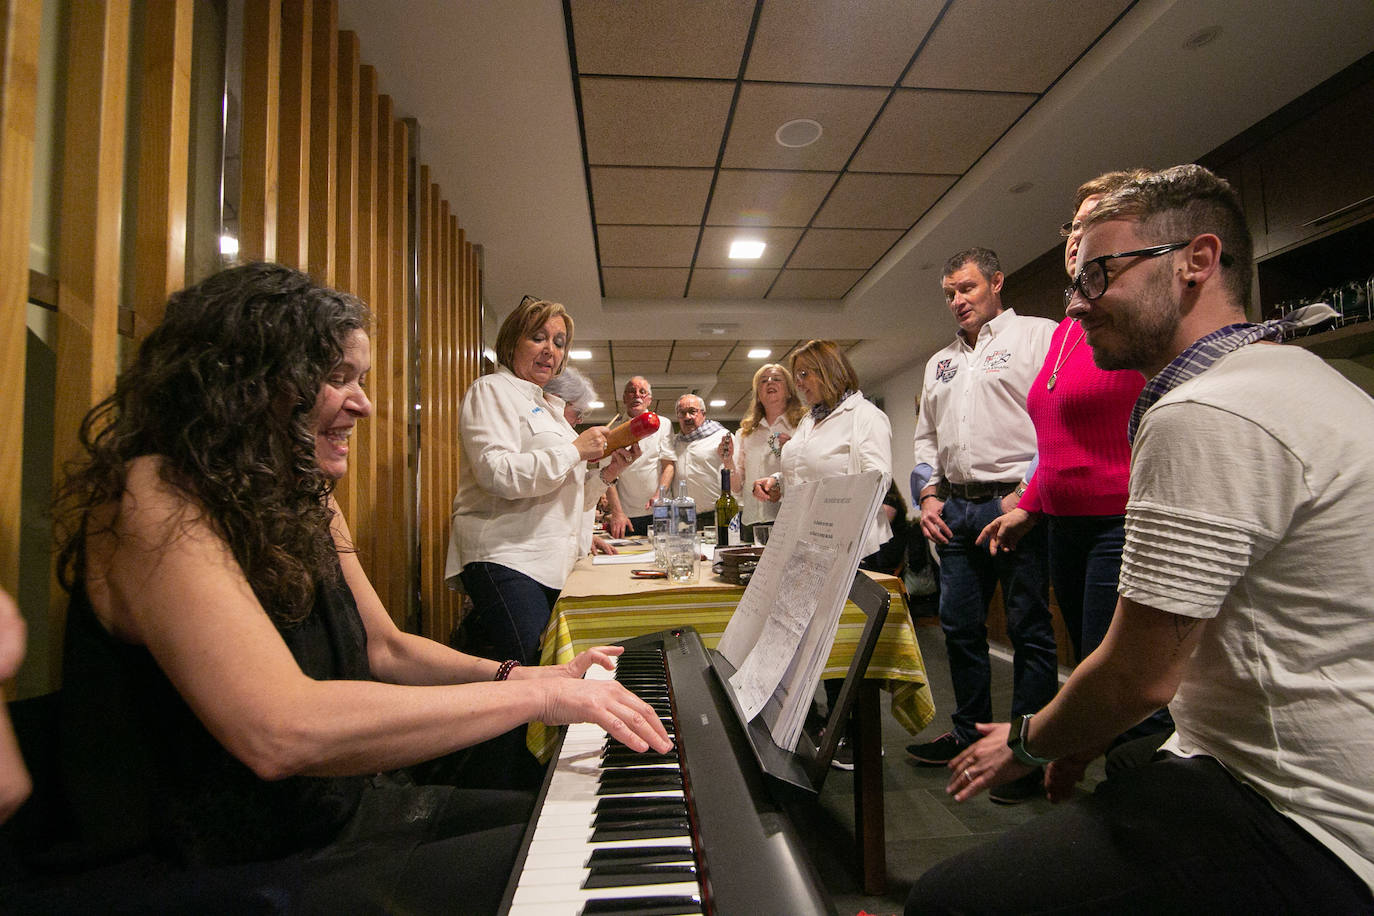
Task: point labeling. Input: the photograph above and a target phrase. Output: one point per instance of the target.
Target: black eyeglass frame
(1100, 262)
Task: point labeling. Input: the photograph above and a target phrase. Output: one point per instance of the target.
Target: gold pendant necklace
(1059, 360)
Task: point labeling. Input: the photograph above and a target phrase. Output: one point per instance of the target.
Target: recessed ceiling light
(1202, 37)
(798, 132)
(593, 405)
(747, 249)
(579, 354)
(717, 402)
(760, 353)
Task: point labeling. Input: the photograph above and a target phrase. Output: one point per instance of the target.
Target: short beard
(1146, 332)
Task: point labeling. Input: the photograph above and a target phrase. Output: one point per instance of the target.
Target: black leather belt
(978, 490)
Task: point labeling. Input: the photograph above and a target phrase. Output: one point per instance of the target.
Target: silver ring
(967, 778)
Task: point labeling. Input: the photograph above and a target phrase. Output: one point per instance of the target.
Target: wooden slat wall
(19, 22)
(325, 185)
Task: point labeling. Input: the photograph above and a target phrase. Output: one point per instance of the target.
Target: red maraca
(631, 431)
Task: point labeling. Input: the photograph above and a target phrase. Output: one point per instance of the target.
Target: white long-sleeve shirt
(854, 438)
(524, 487)
(638, 483)
(973, 426)
(756, 459)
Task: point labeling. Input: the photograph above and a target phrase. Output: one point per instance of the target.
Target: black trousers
(1175, 835)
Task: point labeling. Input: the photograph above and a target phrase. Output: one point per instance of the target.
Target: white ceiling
(491, 86)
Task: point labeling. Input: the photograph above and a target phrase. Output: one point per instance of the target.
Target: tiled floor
(924, 825)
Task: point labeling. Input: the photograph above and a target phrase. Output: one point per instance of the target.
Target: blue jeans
(510, 611)
(1085, 564)
(968, 577)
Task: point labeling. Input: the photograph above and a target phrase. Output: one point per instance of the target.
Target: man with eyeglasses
(628, 501)
(693, 455)
(974, 436)
(1246, 604)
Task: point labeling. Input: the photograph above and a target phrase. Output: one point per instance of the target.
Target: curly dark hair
(223, 390)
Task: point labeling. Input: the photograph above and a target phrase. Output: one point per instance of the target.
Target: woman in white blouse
(524, 486)
(773, 414)
(842, 433)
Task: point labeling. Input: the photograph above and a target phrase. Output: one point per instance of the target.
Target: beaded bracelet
(506, 668)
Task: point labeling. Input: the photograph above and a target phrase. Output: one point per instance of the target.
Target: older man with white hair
(693, 455)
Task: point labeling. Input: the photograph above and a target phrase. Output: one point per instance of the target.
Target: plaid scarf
(819, 411)
(707, 428)
(1203, 353)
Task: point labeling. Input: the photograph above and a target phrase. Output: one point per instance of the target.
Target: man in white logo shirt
(975, 436)
(628, 501)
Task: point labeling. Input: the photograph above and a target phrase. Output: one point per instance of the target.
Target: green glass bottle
(727, 508)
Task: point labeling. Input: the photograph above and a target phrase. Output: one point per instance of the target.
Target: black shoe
(936, 753)
(844, 756)
(1032, 785)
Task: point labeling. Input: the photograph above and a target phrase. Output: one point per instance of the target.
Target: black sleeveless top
(141, 772)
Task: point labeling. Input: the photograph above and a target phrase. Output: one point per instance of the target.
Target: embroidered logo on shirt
(996, 360)
(945, 370)
(536, 410)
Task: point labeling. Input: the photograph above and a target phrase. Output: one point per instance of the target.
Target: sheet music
(782, 631)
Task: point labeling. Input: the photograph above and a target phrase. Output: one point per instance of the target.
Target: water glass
(682, 559)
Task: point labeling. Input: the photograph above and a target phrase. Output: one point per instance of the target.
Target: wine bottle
(727, 511)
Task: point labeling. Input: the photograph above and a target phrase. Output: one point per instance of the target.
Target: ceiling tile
(843, 248)
(813, 284)
(663, 197)
(630, 348)
(693, 366)
(644, 282)
(838, 41)
(714, 352)
(703, 38)
(647, 246)
(981, 44)
(715, 246)
(759, 198)
(868, 200)
(734, 283)
(844, 113)
(935, 131)
(654, 122)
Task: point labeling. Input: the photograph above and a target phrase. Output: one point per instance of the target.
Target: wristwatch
(1016, 740)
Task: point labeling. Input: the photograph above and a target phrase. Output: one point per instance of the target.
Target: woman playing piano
(237, 699)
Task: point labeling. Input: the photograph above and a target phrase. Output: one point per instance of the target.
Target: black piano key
(651, 779)
(657, 828)
(627, 855)
(619, 755)
(679, 905)
(632, 875)
(633, 808)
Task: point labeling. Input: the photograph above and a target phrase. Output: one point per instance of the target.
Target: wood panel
(402, 541)
(322, 140)
(344, 234)
(363, 467)
(19, 26)
(384, 514)
(260, 125)
(293, 136)
(97, 55)
(164, 120)
(430, 293)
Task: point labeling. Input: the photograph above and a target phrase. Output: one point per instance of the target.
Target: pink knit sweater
(1080, 430)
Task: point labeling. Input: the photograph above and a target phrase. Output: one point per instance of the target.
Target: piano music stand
(802, 772)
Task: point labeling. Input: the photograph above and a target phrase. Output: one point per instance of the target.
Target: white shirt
(702, 462)
(638, 483)
(1252, 486)
(973, 426)
(755, 459)
(523, 488)
(854, 438)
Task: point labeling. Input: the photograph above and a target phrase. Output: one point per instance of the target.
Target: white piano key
(553, 894)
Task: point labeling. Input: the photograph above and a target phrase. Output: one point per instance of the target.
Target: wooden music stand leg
(865, 731)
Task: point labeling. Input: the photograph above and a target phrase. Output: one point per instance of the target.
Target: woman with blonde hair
(842, 432)
(756, 450)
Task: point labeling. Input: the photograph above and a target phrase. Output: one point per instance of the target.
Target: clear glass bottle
(727, 514)
(659, 532)
(682, 539)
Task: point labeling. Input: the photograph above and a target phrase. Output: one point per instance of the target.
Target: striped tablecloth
(603, 604)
